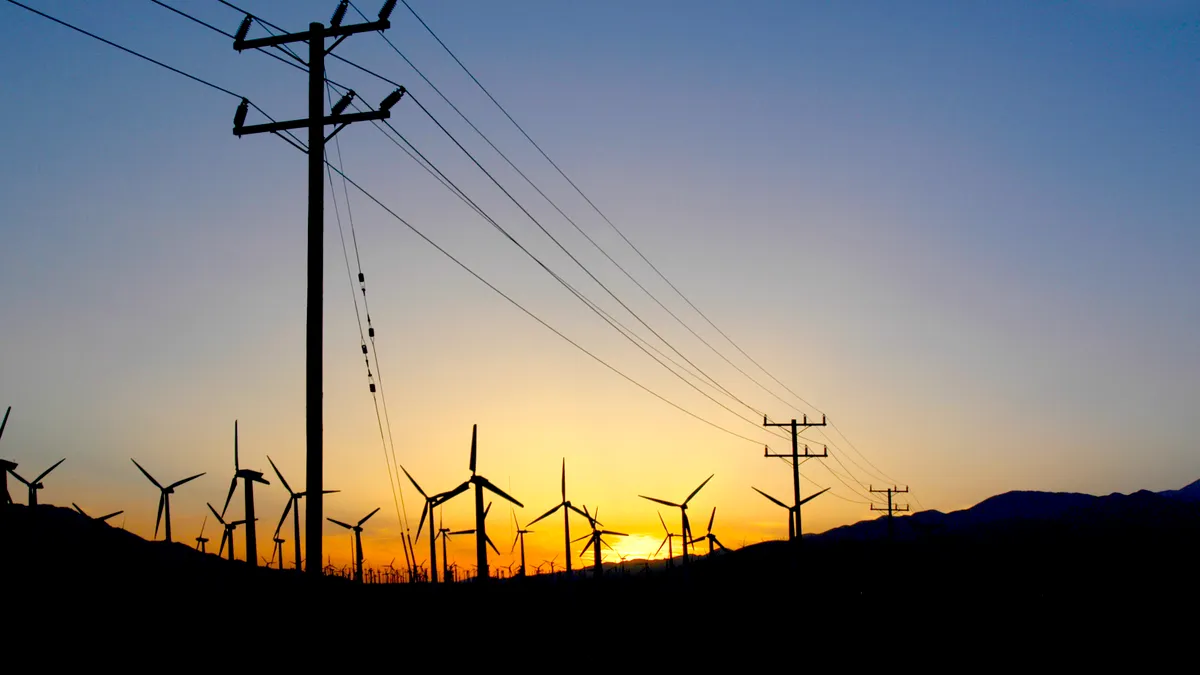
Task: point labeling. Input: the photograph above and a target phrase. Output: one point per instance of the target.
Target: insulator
(339, 14)
(239, 118)
(343, 102)
(361, 278)
(391, 100)
(243, 29)
(386, 10)
(364, 349)
(372, 387)
(371, 332)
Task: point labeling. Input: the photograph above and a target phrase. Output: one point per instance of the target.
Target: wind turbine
(687, 527)
(250, 477)
(667, 541)
(567, 509)
(101, 518)
(227, 535)
(37, 482)
(201, 540)
(6, 467)
(277, 551)
(446, 534)
(712, 538)
(358, 555)
(520, 538)
(164, 499)
(790, 509)
(595, 541)
(430, 504)
(481, 539)
(293, 505)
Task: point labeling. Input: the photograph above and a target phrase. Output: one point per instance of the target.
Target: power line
(605, 218)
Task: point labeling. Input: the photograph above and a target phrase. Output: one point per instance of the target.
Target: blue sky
(965, 231)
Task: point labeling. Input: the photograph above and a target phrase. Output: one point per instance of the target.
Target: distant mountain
(1190, 492)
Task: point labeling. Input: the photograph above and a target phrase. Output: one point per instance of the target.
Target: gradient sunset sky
(967, 232)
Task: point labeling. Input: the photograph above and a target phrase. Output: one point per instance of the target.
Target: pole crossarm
(274, 127)
(340, 32)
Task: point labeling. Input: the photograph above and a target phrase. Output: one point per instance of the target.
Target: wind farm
(847, 277)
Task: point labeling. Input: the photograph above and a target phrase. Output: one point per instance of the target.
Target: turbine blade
(186, 480)
(698, 489)
(586, 547)
(78, 509)
(47, 471)
(139, 466)
(458, 532)
(338, 522)
(229, 496)
(661, 501)
(615, 534)
(224, 538)
(564, 479)
(214, 512)
(660, 546)
(585, 515)
(236, 466)
(281, 480)
(414, 482)
(772, 498)
(444, 497)
(5, 422)
(488, 484)
(488, 509)
(162, 499)
(545, 515)
(664, 523)
(514, 546)
(114, 514)
(18, 476)
(711, 519)
(580, 538)
(282, 519)
(813, 496)
(474, 433)
(424, 512)
(489, 543)
(368, 516)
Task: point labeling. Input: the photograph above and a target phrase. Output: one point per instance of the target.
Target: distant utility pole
(891, 508)
(316, 122)
(796, 456)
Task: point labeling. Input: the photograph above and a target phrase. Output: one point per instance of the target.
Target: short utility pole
(316, 122)
(796, 427)
(891, 508)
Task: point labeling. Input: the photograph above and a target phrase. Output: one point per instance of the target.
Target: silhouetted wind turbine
(293, 505)
(481, 539)
(595, 541)
(667, 541)
(101, 518)
(430, 504)
(567, 509)
(520, 538)
(250, 477)
(201, 540)
(37, 482)
(687, 527)
(164, 499)
(357, 529)
(446, 534)
(227, 535)
(6, 467)
(712, 538)
(790, 509)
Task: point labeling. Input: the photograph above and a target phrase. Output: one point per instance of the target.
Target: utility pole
(890, 507)
(316, 122)
(796, 456)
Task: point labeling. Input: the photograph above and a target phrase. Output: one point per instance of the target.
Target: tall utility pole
(796, 456)
(891, 508)
(316, 122)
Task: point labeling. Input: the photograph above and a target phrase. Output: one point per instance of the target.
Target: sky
(964, 232)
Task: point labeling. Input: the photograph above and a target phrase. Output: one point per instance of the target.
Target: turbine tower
(293, 505)
(687, 527)
(164, 498)
(37, 482)
(250, 477)
(567, 509)
(357, 529)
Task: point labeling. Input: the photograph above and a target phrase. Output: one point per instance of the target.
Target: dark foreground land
(1061, 561)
